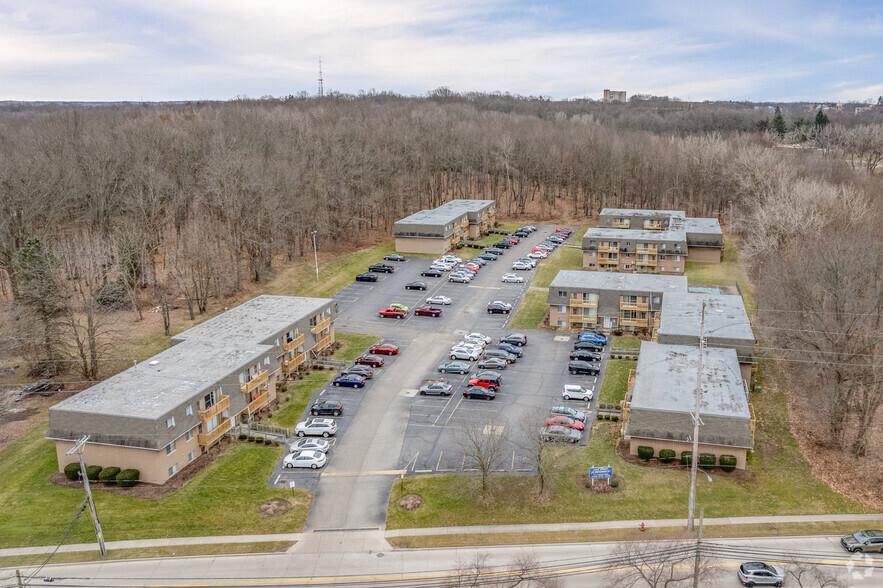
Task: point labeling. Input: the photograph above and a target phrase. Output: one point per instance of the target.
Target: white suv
(464, 353)
(577, 392)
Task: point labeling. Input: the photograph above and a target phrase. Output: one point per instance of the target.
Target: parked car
(327, 407)
(362, 370)
(513, 278)
(467, 269)
(577, 415)
(563, 421)
(498, 308)
(451, 259)
(454, 367)
(305, 459)
(384, 349)
(436, 389)
(487, 256)
(381, 268)
(501, 354)
(489, 379)
(519, 339)
(479, 393)
(502, 245)
(464, 353)
(415, 286)
(529, 261)
(394, 257)
(391, 312)
(493, 363)
(427, 311)
(520, 234)
(583, 355)
(757, 573)
(372, 360)
(309, 445)
(520, 265)
(577, 392)
(559, 434)
(590, 335)
(349, 381)
(475, 341)
(538, 255)
(588, 346)
(438, 299)
(369, 277)
(516, 351)
(472, 344)
(556, 239)
(512, 239)
(863, 541)
(495, 251)
(432, 273)
(480, 336)
(459, 278)
(583, 367)
(316, 428)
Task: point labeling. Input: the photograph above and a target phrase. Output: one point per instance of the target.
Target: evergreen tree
(821, 119)
(779, 126)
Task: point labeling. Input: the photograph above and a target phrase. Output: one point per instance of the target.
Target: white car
(513, 278)
(316, 428)
(438, 299)
(458, 277)
(472, 344)
(538, 255)
(451, 259)
(520, 265)
(480, 336)
(473, 341)
(441, 268)
(309, 445)
(464, 353)
(478, 260)
(577, 392)
(305, 459)
(500, 302)
(529, 261)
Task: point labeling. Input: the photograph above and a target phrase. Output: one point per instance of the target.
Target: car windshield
(860, 537)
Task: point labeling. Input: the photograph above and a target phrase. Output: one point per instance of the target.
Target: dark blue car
(351, 380)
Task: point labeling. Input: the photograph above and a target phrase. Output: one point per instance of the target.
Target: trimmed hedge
(645, 452)
(128, 478)
(686, 458)
(109, 475)
(72, 471)
(667, 455)
(728, 462)
(92, 472)
(707, 461)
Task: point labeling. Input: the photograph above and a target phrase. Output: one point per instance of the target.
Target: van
(500, 353)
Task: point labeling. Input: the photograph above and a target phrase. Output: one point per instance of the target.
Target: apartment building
(704, 236)
(160, 415)
(581, 299)
(726, 325)
(614, 96)
(658, 407)
(439, 230)
(638, 251)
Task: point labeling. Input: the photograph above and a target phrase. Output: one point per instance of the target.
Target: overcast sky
(153, 50)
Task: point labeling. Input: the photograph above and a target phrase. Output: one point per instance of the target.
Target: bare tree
(532, 441)
(483, 442)
(658, 563)
(809, 574)
(522, 571)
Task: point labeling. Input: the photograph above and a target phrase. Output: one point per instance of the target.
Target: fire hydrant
(642, 526)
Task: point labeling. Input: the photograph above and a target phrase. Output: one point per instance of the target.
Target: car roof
(573, 387)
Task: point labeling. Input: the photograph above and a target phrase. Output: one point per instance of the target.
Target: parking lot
(422, 431)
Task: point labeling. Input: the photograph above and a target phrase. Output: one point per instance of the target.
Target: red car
(384, 349)
(392, 313)
(513, 240)
(562, 230)
(372, 360)
(427, 311)
(563, 421)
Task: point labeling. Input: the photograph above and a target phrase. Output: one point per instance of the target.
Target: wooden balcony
(289, 365)
(219, 407)
(631, 382)
(651, 250)
(620, 224)
(579, 319)
(206, 439)
(256, 382)
(646, 262)
(634, 322)
(294, 343)
(323, 343)
(634, 306)
(581, 303)
(321, 325)
(259, 402)
(651, 225)
(608, 261)
(456, 239)
(607, 249)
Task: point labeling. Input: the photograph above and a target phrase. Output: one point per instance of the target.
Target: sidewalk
(480, 529)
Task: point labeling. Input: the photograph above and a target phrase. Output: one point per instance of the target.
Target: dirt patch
(274, 507)
(410, 502)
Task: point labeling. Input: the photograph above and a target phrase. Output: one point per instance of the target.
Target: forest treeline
(136, 206)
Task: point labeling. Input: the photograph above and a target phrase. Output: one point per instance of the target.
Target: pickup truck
(392, 312)
(381, 268)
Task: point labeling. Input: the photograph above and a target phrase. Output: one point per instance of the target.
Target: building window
(188, 435)
(591, 254)
(173, 470)
(562, 323)
(562, 308)
(189, 410)
(170, 448)
(626, 266)
(677, 258)
(662, 268)
(676, 269)
(170, 422)
(277, 341)
(562, 294)
(210, 399)
(266, 361)
(191, 456)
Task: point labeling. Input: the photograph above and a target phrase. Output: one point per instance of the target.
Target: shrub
(728, 462)
(667, 455)
(614, 417)
(268, 441)
(606, 417)
(112, 295)
(72, 471)
(614, 483)
(645, 452)
(707, 461)
(251, 438)
(600, 417)
(617, 332)
(92, 472)
(109, 475)
(686, 458)
(128, 478)
(258, 439)
(242, 436)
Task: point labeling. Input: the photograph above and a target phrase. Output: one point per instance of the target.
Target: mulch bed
(622, 449)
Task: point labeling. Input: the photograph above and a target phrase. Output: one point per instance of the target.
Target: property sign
(600, 473)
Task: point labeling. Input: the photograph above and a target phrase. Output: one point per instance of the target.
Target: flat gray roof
(633, 235)
(702, 225)
(157, 386)
(462, 206)
(666, 380)
(725, 316)
(619, 281)
(256, 320)
(435, 216)
(639, 212)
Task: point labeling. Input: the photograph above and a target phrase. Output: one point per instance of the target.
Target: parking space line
(355, 474)
(443, 410)
(453, 411)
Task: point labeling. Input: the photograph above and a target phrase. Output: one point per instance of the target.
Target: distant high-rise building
(614, 96)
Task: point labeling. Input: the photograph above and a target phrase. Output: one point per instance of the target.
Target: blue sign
(600, 473)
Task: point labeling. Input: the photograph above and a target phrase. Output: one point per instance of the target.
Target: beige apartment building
(614, 96)
(605, 300)
(160, 415)
(441, 229)
(636, 251)
(704, 237)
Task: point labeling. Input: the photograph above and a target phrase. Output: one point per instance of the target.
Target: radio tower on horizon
(321, 88)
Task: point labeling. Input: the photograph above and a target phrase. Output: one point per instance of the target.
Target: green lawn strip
(353, 344)
(531, 311)
(625, 342)
(577, 237)
(729, 272)
(221, 500)
(149, 552)
(616, 379)
(566, 258)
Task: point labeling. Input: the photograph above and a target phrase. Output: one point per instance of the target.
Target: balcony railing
(634, 305)
(633, 322)
(294, 343)
(321, 325)
(646, 262)
(259, 402)
(216, 409)
(289, 365)
(608, 261)
(607, 249)
(259, 381)
(323, 343)
(652, 225)
(206, 439)
(652, 250)
(618, 224)
(582, 303)
(580, 319)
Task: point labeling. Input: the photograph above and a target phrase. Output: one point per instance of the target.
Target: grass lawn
(616, 379)
(625, 342)
(729, 272)
(353, 345)
(531, 311)
(221, 500)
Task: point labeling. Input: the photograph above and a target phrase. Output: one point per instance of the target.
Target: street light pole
(78, 450)
(315, 254)
(694, 461)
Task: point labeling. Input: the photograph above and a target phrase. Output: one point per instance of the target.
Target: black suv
(381, 267)
(587, 346)
(582, 355)
(503, 244)
(515, 339)
(494, 251)
(583, 367)
(495, 308)
(332, 407)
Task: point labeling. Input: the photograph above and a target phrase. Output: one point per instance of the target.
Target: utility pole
(321, 85)
(694, 462)
(78, 449)
(315, 254)
(698, 543)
